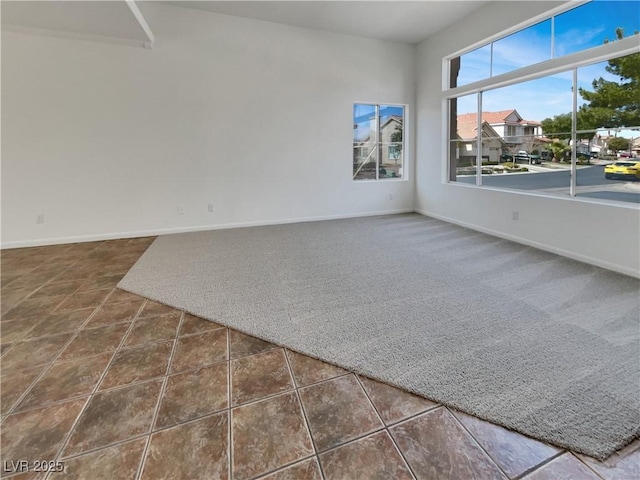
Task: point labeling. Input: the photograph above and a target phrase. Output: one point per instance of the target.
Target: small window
(378, 142)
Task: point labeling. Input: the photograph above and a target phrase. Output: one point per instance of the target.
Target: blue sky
(583, 27)
(364, 114)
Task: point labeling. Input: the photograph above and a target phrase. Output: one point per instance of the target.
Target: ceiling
(399, 21)
(110, 20)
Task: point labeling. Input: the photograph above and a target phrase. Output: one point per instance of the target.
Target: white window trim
(601, 53)
(514, 29)
(405, 143)
(618, 48)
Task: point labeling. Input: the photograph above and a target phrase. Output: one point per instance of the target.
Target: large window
(378, 141)
(555, 122)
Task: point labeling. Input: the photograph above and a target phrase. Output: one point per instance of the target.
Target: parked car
(535, 159)
(623, 170)
(521, 156)
(506, 157)
(524, 156)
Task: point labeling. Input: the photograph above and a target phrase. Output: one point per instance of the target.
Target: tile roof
(496, 117)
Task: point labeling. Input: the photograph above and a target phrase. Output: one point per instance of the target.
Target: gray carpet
(526, 339)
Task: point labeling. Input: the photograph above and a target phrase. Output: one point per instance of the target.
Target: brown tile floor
(114, 386)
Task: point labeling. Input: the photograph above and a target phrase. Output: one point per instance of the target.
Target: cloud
(541, 98)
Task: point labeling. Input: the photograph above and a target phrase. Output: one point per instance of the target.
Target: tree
(613, 104)
(396, 140)
(618, 143)
(559, 150)
(396, 136)
(558, 127)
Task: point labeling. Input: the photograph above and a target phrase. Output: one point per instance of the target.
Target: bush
(515, 169)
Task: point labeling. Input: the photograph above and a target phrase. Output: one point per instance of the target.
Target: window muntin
(542, 125)
(586, 26)
(378, 141)
(474, 65)
(576, 131)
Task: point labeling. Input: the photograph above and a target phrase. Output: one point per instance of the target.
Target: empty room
(329, 240)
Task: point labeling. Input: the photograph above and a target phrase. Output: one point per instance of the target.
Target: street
(590, 183)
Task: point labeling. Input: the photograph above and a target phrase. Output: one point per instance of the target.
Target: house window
(551, 120)
(378, 141)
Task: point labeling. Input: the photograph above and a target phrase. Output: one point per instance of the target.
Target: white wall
(256, 118)
(604, 235)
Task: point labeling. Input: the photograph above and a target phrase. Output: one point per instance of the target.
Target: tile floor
(106, 384)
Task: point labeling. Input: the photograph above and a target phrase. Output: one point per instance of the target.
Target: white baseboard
(559, 251)
(168, 231)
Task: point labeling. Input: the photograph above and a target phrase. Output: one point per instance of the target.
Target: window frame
(405, 142)
(567, 63)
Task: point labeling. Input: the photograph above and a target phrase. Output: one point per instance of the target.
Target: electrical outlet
(514, 215)
(181, 209)
(40, 218)
(210, 207)
(391, 196)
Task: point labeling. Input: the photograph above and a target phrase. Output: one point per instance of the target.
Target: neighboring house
(492, 144)
(598, 145)
(391, 152)
(602, 141)
(514, 132)
(635, 147)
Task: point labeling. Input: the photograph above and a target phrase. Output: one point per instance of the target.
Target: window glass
(474, 66)
(517, 153)
(463, 138)
(594, 23)
(586, 26)
(365, 148)
(531, 137)
(609, 125)
(526, 47)
(378, 142)
(391, 141)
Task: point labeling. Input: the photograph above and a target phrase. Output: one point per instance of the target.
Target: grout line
(163, 387)
(188, 335)
(104, 447)
(366, 394)
(258, 400)
(386, 427)
(302, 410)
(142, 435)
(411, 417)
(304, 414)
(575, 456)
(95, 388)
(353, 440)
(287, 465)
(476, 441)
(327, 380)
(45, 369)
(540, 465)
